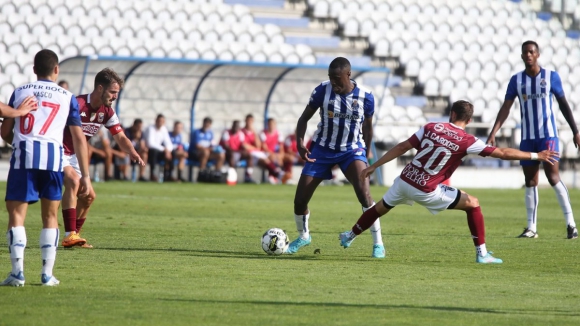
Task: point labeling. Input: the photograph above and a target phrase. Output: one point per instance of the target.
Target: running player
(534, 88)
(440, 150)
(36, 164)
(345, 129)
(95, 111)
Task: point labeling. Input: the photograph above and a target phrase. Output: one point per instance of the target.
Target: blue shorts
(538, 145)
(327, 158)
(28, 185)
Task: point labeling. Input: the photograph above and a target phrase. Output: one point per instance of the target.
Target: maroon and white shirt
(92, 119)
(440, 149)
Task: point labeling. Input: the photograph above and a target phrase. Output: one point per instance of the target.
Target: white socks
(48, 245)
(16, 238)
(302, 225)
(564, 200)
(375, 228)
(563, 197)
(531, 199)
(481, 250)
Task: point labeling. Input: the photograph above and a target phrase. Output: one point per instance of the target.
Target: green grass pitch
(189, 254)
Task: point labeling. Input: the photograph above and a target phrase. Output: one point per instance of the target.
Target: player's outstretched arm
(127, 147)
(502, 115)
(82, 152)
(567, 113)
(367, 131)
(7, 130)
(301, 131)
(515, 154)
(398, 150)
(29, 104)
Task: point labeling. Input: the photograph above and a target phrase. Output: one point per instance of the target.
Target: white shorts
(71, 160)
(436, 201)
(258, 155)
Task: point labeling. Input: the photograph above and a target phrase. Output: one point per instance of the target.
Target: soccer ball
(275, 241)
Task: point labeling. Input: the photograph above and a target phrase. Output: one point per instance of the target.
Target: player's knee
(472, 202)
(553, 179)
(71, 183)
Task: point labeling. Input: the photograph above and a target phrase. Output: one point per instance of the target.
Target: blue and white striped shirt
(38, 135)
(341, 116)
(535, 95)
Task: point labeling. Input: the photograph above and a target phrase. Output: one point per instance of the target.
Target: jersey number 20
(27, 121)
(427, 146)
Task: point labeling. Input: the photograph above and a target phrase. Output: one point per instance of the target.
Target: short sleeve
(74, 119)
(415, 139)
(480, 148)
(317, 97)
(113, 124)
(369, 105)
(556, 85)
(194, 137)
(512, 89)
(226, 136)
(11, 101)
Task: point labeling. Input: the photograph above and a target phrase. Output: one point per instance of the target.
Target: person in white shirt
(160, 147)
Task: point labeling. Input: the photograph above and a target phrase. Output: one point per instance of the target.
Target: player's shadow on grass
(384, 306)
(215, 253)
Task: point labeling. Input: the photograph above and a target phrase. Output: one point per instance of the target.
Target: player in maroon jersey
(440, 150)
(95, 111)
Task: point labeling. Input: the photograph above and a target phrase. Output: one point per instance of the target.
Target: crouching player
(95, 111)
(440, 150)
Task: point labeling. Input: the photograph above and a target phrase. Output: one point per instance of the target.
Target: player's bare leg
(361, 188)
(304, 191)
(49, 239)
(531, 174)
(553, 175)
(69, 208)
(365, 221)
(83, 206)
(470, 205)
(16, 238)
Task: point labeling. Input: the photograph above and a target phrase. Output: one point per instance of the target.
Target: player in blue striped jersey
(344, 130)
(36, 164)
(534, 88)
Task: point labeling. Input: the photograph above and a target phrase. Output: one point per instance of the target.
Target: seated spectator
(101, 149)
(272, 143)
(159, 148)
(201, 147)
(64, 84)
(135, 135)
(233, 143)
(179, 150)
(253, 145)
(291, 157)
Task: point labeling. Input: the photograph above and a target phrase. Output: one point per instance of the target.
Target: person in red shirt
(441, 148)
(291, 157)
(273, 143)
(253, 144)
(233, 141)
(95, 112)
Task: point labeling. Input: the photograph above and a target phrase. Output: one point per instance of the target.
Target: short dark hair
(108, 76)
(136, 121)
(339, 63)
(62, 82)
(159, 116)
(249, 116)
(530, 43)
(271, 120)
(207, 120)
(463, 110)
(44, 62)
